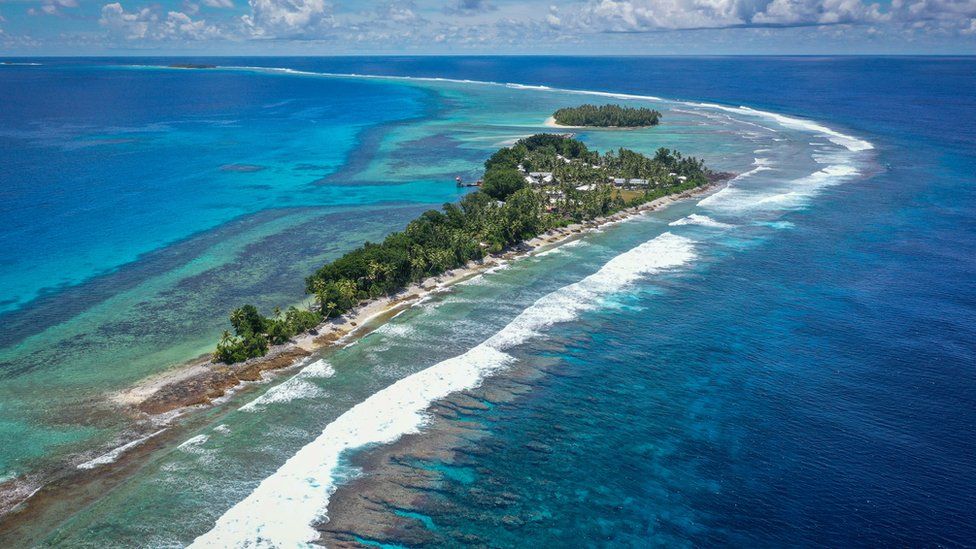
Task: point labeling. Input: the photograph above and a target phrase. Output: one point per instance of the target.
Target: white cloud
(818, 12)
(289, 18)
(469, 7)
(130, 25)
(400, 13)
(552, 19)
(386, 14)
(180, 25)
(646, 15)
(653, 15)
(501, 25)
(935, 15)
(53, 7)
(146, 24)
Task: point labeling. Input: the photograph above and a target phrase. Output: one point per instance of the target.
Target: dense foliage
(254, 333)
(500, 182)
(607, 116)
(507, 210)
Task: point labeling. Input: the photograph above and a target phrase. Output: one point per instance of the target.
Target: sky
(418, 27)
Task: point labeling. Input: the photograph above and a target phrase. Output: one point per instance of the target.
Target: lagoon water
(785, 362)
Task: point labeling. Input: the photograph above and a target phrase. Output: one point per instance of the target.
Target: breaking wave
(848, 141)
(702, 220)
(283, 508)
(112, 455)
(294, 388)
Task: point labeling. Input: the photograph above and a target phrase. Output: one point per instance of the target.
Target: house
(540, 177)
(633, 182)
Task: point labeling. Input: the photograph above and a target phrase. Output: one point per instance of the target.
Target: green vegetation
(254, 332)
(607, 116)
(541, 182)
(499, 183)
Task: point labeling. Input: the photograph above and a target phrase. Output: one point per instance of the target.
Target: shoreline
(201, 381)
(390, 498)
(551, 123)
(156, 401)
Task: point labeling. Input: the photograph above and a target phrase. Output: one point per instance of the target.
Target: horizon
(505, 55)
(486, 27)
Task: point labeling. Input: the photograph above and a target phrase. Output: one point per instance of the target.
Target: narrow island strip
(604, 116)
(542, 191)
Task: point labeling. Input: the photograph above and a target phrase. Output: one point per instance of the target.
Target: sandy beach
(551, 123)
(159, 399)
(201, 381)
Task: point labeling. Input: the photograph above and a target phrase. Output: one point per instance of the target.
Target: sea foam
(795, 194)
(281, 511)
(298, 386)
(702, 220)
(194, 441)
(112, 455)
(849, 142)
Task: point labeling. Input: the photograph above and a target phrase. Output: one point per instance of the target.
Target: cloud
(146, 24)
(289, 18)
(129, 25)
(53, 7)
(818, 12)
(401, 12)
(552, 19)
(469, 7)
(530, 25)
(648, 15)
(658, 15)
(180, 25)
(935, 15)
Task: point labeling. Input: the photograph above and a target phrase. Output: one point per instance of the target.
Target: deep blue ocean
(816, 390)
(813, 386)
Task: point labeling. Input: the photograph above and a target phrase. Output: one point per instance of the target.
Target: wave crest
(282, 509)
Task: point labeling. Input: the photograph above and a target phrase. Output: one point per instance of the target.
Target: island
(541, 183)
(606, 116)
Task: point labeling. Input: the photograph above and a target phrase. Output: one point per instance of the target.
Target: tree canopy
(500, 182)
(607, 116)
(504, 212)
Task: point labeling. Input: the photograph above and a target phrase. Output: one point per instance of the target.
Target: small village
(566, 174)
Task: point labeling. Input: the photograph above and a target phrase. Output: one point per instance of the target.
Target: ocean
(783, 362)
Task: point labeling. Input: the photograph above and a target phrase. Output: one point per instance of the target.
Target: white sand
(360, 320)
